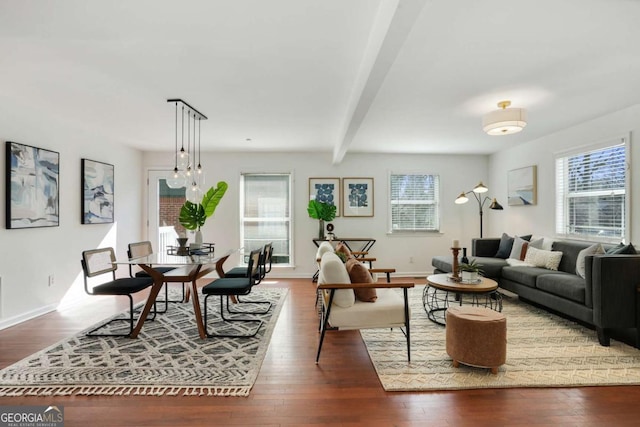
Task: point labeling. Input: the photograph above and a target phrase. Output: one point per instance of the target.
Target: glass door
(164, 211)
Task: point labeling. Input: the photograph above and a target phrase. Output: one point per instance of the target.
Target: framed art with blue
(357, 197)
(32, 187)
(97, 192)
(326, 190)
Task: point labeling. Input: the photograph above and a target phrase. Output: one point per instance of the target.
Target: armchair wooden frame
(326, 309)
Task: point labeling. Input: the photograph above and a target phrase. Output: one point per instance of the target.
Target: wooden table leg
(196, 310)
(155, 290)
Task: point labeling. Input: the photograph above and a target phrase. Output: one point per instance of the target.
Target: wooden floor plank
(291, 390)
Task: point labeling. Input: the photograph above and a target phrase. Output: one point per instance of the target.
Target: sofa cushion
(564, 285)
(622, 249)
(519, 248)
(491, 267)
(545, 259)
(570, 250)
(595, 249)
(359, 273)
(524, 275)
(333, 270)
(504, 250)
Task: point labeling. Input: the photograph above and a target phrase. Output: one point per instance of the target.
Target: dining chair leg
(228, 321)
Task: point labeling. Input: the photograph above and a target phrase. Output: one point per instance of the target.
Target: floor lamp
(478, 192)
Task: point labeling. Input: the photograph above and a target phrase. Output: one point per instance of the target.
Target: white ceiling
(408, 76)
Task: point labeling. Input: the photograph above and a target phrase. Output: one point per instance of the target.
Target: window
(414, 202)
(591, 192)
(266, 214)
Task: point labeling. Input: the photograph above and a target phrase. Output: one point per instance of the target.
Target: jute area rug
(167, 358)
(543, 350)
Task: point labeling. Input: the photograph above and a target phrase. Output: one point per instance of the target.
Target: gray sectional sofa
(606, 298)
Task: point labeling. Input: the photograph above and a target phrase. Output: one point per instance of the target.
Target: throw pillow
(519, 248)
(359, 273)
(537, 243)
(541, 258)
(517, 263)
(333, 271)
(595, 249)
(341, 247)
(504, 250)
(622, 249)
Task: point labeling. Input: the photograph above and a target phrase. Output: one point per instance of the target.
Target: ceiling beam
(393, 23)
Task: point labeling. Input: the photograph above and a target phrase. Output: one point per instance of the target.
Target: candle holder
(455, 275)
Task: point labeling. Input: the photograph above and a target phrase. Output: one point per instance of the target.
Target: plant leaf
(192, 215)
(211, 199)
(319, 210)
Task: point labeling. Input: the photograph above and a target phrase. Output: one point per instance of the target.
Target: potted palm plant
(194, 215)
(470, 271)
(322, 212)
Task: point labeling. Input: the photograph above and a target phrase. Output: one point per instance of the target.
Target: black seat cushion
(236, 272)
(158, 269)
(228, 286)
(123, 286)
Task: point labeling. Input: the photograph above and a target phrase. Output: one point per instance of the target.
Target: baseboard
(12, 321)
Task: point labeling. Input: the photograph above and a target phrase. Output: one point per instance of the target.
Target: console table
(361, 245)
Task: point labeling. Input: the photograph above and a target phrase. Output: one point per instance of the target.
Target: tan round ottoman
(476, 336)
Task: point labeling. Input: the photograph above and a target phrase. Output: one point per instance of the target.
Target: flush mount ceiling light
(504, 121)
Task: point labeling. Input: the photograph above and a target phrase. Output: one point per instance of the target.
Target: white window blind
(414, 202)
(266, 214)
(591, 192)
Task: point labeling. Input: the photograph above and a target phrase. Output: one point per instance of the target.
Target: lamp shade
(462, 198)
(480, 188)
(504, 121)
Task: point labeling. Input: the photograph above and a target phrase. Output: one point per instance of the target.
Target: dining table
(188, 269)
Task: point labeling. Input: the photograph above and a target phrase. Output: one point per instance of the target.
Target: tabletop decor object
(322, 212)
(194, 215)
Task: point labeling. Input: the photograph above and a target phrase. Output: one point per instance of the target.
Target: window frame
(562, 195)
(245, 251)
(437, 202)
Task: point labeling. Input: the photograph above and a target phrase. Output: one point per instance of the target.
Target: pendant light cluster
(185, 172)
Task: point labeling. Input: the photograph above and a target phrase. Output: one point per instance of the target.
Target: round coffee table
(442, 291)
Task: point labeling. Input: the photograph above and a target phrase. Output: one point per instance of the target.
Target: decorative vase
(182, 250)
(198, 242)
(321, 229)
(464, 259)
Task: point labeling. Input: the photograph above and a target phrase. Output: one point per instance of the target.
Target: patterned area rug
(543, 350)
(167, 358)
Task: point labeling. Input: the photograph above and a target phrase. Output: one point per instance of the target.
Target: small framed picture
(97, 192)
(33, 187)
(326, 190)
(357, 197)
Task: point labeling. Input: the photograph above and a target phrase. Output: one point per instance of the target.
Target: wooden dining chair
(226, 287)
(98, 262)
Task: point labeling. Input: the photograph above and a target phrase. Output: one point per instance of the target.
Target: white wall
(457, 173)
(540, 219)
(29, 256)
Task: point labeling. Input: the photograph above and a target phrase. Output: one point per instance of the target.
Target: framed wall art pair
(353, 197)
(32, 196)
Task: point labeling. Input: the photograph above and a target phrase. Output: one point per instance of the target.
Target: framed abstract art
(326, 190)
(357, 197)
(522, 188)
(32, 186)
(97, 192)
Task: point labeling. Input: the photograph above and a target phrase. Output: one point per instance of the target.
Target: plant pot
(321, 229)
(469, 276)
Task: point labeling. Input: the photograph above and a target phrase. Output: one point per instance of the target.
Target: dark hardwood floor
(343, 390)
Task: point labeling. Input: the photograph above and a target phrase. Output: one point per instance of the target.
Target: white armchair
(341, 310)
